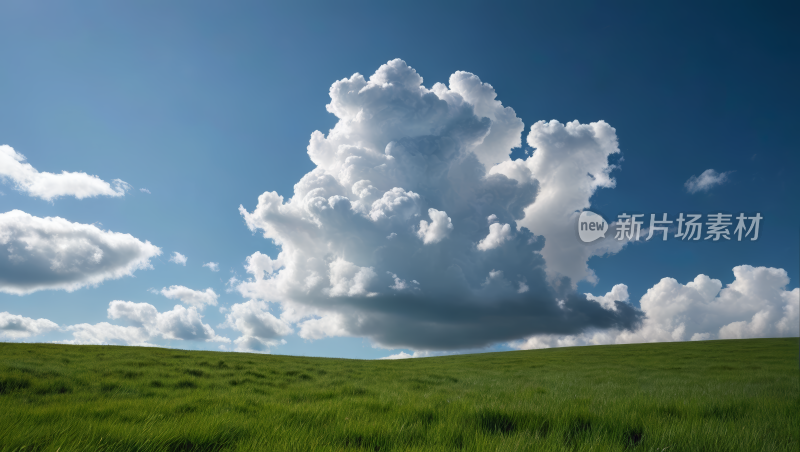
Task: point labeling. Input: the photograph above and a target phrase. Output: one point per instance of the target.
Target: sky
(371, 180)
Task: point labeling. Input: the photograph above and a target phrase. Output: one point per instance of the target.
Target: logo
(591, 226)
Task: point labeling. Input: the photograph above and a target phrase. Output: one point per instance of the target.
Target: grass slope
(692, 396)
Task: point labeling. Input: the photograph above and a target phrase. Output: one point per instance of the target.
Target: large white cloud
(755, 304)
(401, 191)
(53, 253)
(49, 186)
(145, 324)
(18, 327)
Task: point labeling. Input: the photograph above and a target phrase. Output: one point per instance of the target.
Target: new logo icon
(591, 226)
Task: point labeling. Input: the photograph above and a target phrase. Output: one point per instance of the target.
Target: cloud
(191, 297)
(178, 258)
(107, 333)
(260, 329)
(19, 327)
(438, 228)
(755, 304)
(401, 191)
(498, 233)
(53, 253)
(144, 190)
(607, 301)
(432, 353)
(570, 163)
(232, 283)
(49, 186)
(401, 355)
(705, 181)
(145, 324)
(213, 266)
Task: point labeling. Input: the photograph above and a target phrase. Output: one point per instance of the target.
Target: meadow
(735, 395)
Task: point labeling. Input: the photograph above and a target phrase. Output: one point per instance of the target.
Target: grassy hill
(692, 396)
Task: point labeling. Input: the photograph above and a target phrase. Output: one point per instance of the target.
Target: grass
(738, 395)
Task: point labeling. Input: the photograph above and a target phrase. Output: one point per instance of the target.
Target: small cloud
(213, 266)
(144, 190)
(17, 327)
(401, 355)
(439, 227)
(178, 258)
(706, 181)
(498, 233)
(187, 296)
(400, 284)
(232, 283)
(49, 186)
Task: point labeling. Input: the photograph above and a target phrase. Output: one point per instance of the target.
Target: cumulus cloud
(437, 229)
(145, 324)
(144, 190)
(498, 233)
(19, 327)
(755, 304)
(213, 266)
(53, 253)
(49, 186)
(608, 301)
(707, 180)
(187, 296)
(401, 191)
(570, 162)
(178, 258)
(260, 329)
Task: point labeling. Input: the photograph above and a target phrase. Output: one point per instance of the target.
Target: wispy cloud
(49, 186)
(707, 180)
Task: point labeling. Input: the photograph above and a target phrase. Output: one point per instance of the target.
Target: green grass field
(693, 396)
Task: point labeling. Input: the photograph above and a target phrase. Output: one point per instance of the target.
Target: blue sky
(208, 105)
